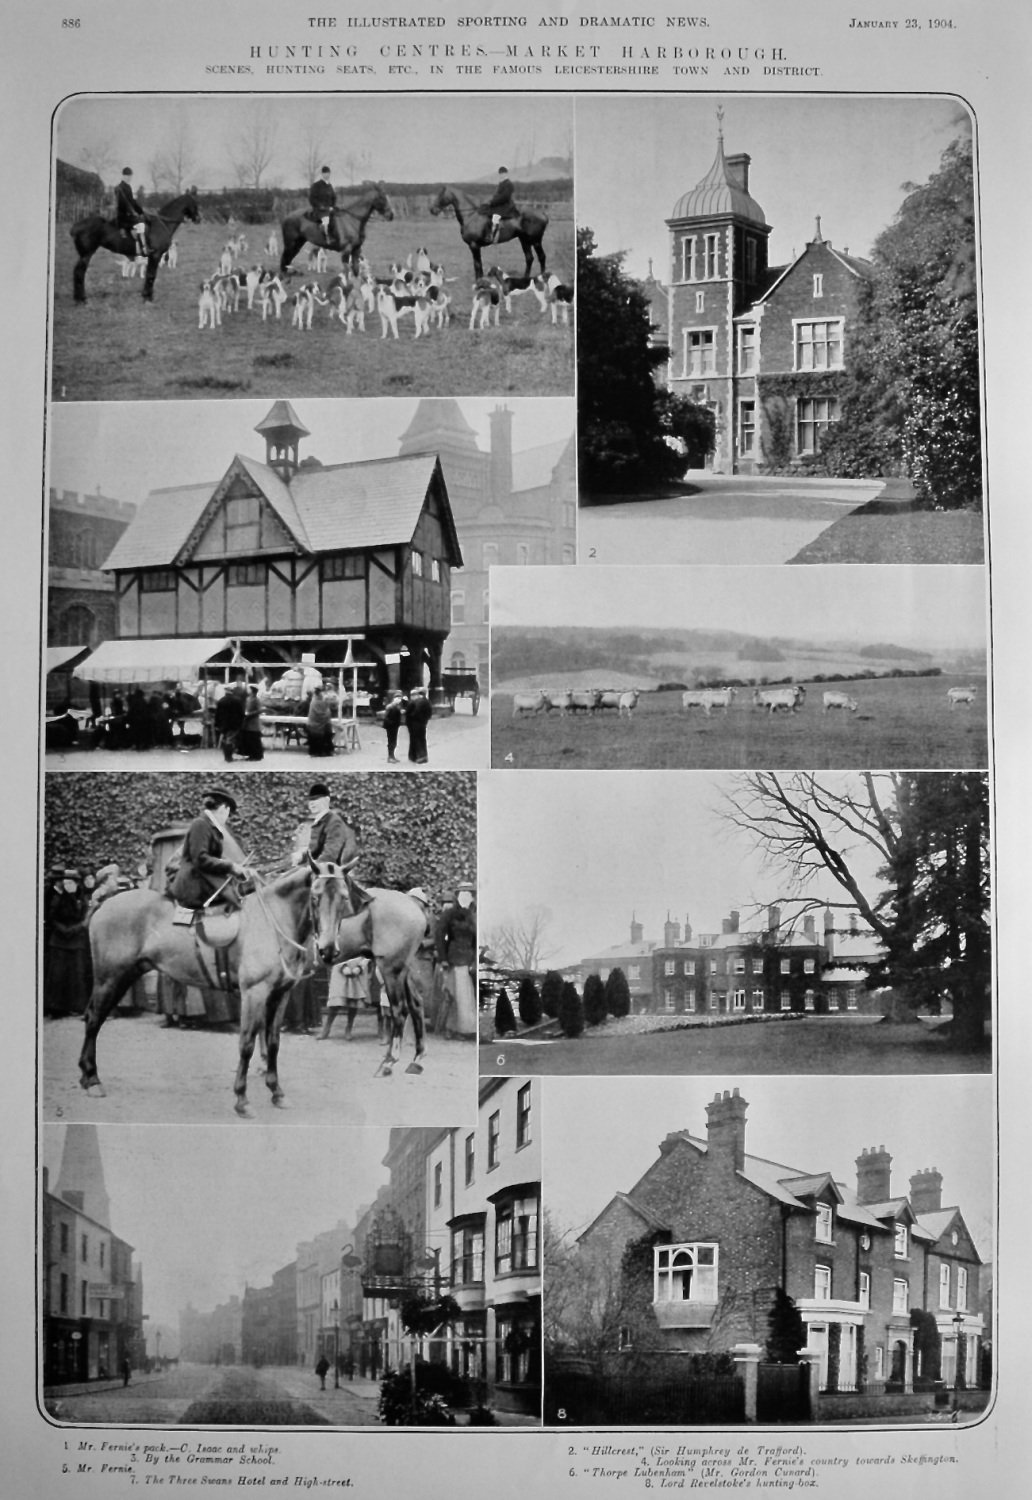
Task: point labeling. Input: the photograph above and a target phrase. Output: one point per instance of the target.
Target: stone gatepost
(811, 1357)
(747, 1359)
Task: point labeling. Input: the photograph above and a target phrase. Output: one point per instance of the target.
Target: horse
(478, 232)
(388, 927)
(349, 218)
(97, 233)
(281, 926)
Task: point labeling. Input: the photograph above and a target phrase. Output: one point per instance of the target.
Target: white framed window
(738, 1000)
(746, 348)
(962, 1286)
(688, 258)
(669, 1000)
(808, 965)
(879, 1361)
(757, 999)
(523, 1103)
(739, 965)
(808, 998)
(900, 1296)
(821, 1283)
(700, 352)
(634, 973)
(689, 966)
(818, 345)
(700, 302)
(823, 1226)
(786, 966)
(944, 1285)
(833, 1001)
(852, 997)
(689, 999)
(746, 428)
(686, 1273)
(818, 283)
(624, 1337)
(417, 564)
(864, 1289)
(900, 1244)
(669, 967)
(458, 607)
(813, 418)
(435, 569)
(710, 251)
(786, 999)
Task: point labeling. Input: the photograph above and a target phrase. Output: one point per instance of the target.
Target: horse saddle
(217, 927)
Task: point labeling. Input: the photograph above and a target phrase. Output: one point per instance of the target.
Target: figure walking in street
(420, 711)
(322, 1369)
(393, 718)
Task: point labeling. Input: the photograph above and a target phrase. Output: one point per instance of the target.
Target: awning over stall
(152, 660)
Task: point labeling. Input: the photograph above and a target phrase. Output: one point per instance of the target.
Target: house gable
(238, 521)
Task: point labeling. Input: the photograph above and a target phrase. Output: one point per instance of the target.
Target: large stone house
(764, 347)
(728, 1230)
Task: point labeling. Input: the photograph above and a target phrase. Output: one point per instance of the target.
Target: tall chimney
(773, 919)
(738, 170)
(501, 454)
(810, 927)
(687, 928)
(829, 933)
(725, 1132)
(926, 1191)
(873, 1169)
(637, 931)
(734, 919)
(671, 933)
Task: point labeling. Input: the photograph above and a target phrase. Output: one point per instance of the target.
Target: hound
(487, 295)
(271, 294)
(228, 290)
(391, 306)
(304, 300)
(226, 259)
(516, 286)
(560, 299)
(272, 244)
(130, 267)
(422, 265)
(209, 310)
(170, 259)
(318, 259)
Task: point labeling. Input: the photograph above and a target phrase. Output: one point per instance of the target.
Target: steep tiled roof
(160, 527)
(718, 193)
(532, 469)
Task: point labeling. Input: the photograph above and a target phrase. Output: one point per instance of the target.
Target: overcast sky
(127, 449)
(815, 1124)
(401, 139)
(598, 847)
(925, 607)
(845, 158)
(209, 1209)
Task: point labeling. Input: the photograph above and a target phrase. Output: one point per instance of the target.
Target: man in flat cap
(205, 870)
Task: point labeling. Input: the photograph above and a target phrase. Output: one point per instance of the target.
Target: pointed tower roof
(438, 423)
(281, 417)
(724, 190)
(82, 1173)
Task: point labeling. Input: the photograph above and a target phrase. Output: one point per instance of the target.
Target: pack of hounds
(418, 289)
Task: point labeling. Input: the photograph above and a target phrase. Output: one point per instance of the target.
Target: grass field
(804, 1046)
(119, 348)
(902, 723)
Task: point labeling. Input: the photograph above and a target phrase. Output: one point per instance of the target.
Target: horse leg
(79, 277)
(415, 1009)
(275, 1005)
(150, 276)
(250, 1022)
(396, 997)
(478, 264)
(105, 996)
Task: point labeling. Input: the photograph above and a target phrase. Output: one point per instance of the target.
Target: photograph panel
(718, 1254)
(284, 246)
(697, 668)
(283, 948)
(760, 922)
(395, 1284)
(793, 382)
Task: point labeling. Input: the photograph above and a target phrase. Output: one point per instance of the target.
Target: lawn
(824, 1045)
(118, 348)
(900, 722)
(899, 536)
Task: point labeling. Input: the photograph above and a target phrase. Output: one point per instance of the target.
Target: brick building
(866, 1270)
(92, 1296)
(770, 968)
(510, 507)
(764, 347)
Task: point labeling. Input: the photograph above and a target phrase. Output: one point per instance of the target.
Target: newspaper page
(516, 728)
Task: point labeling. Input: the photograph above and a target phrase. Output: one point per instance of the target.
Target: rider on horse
(204, 874)
(128, 213)
(330, 841)
(323, 199)
(501, 205)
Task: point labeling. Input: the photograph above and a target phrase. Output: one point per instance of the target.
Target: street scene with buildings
(398, 1281)
(696, 1278)
(794, 923)
(797, 382)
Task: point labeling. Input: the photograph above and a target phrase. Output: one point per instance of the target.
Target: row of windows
(494, 1136)
(816, 345)
(331, 570)
(732, 965)
(900, 1289)
(813, 417)
(515, 1243)
(84, 1245)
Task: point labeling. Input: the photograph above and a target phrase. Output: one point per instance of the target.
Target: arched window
(76, 626)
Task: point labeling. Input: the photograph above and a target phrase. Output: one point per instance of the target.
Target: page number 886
(70, 23)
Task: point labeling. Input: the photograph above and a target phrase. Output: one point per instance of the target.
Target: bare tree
(312, 149)
(521, 943)
(98, 156)
(586, 1305)
(175, 165)
(909, 851)
(357, 165)
(252, 148)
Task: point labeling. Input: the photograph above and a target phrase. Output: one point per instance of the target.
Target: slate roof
(718, 194)
(532, 469)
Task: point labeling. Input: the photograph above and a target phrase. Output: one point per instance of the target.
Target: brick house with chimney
(763, 347)
(729, 1229)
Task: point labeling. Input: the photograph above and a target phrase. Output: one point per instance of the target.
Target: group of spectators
(69, 897)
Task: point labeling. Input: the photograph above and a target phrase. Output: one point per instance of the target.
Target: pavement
(456, 742)
(728, 519)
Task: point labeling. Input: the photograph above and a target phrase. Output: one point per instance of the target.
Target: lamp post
(958, 1324)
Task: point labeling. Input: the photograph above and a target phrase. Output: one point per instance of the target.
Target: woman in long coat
(319, 728)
